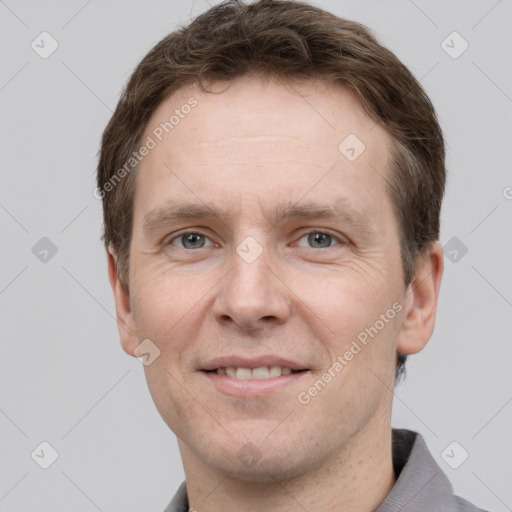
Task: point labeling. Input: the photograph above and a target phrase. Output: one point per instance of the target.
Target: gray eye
(192, 241)
(318, 239)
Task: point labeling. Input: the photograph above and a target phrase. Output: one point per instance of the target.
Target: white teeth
(261, 373)
(243, 373)
(274, 371)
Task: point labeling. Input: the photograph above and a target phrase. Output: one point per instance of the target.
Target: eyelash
(316, 231)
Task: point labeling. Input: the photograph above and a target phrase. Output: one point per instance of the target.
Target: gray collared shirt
(421, 486)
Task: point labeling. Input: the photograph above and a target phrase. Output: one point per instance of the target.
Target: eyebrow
(339, 210)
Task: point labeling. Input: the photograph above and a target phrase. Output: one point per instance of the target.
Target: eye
(321, 240)
(196, 240)
(190, 240)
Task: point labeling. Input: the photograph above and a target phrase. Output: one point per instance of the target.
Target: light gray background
(64, 378)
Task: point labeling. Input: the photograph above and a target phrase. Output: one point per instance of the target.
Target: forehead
(251, 106)
(265, 139)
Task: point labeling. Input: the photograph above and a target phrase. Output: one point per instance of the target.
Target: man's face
(292, 291)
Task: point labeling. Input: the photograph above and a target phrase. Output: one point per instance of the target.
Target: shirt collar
(420, 482)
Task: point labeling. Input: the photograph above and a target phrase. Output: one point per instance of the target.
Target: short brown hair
(286, 40)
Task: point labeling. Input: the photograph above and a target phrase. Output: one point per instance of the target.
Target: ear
(421, 301)
(125, 320)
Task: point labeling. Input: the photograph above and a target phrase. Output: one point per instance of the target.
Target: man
(272, 180)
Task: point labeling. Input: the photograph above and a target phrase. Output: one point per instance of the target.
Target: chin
(274, 462)
(265, 471)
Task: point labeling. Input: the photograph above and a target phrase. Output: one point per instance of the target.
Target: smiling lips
(262, 368)
(261, 372)
(258, 366)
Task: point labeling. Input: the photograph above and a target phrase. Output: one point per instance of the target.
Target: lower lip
(253, 387)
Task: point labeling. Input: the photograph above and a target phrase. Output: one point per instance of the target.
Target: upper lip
(251, 362)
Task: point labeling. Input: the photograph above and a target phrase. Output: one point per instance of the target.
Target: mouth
(258, 373)
(245, 376)
(253, 378)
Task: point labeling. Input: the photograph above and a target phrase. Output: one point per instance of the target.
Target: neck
(358, 478)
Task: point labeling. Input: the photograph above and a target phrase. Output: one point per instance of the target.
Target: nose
(252, 295)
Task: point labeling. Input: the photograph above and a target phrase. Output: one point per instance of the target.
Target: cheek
(349, 297)
(177, 408)
(357, 314)
(164, 297)
(364, 348)
(165, 311)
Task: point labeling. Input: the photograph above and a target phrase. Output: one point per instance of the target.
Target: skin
(247, 149)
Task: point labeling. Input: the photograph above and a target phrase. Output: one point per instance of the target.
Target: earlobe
(125, 321)
(421, 301)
